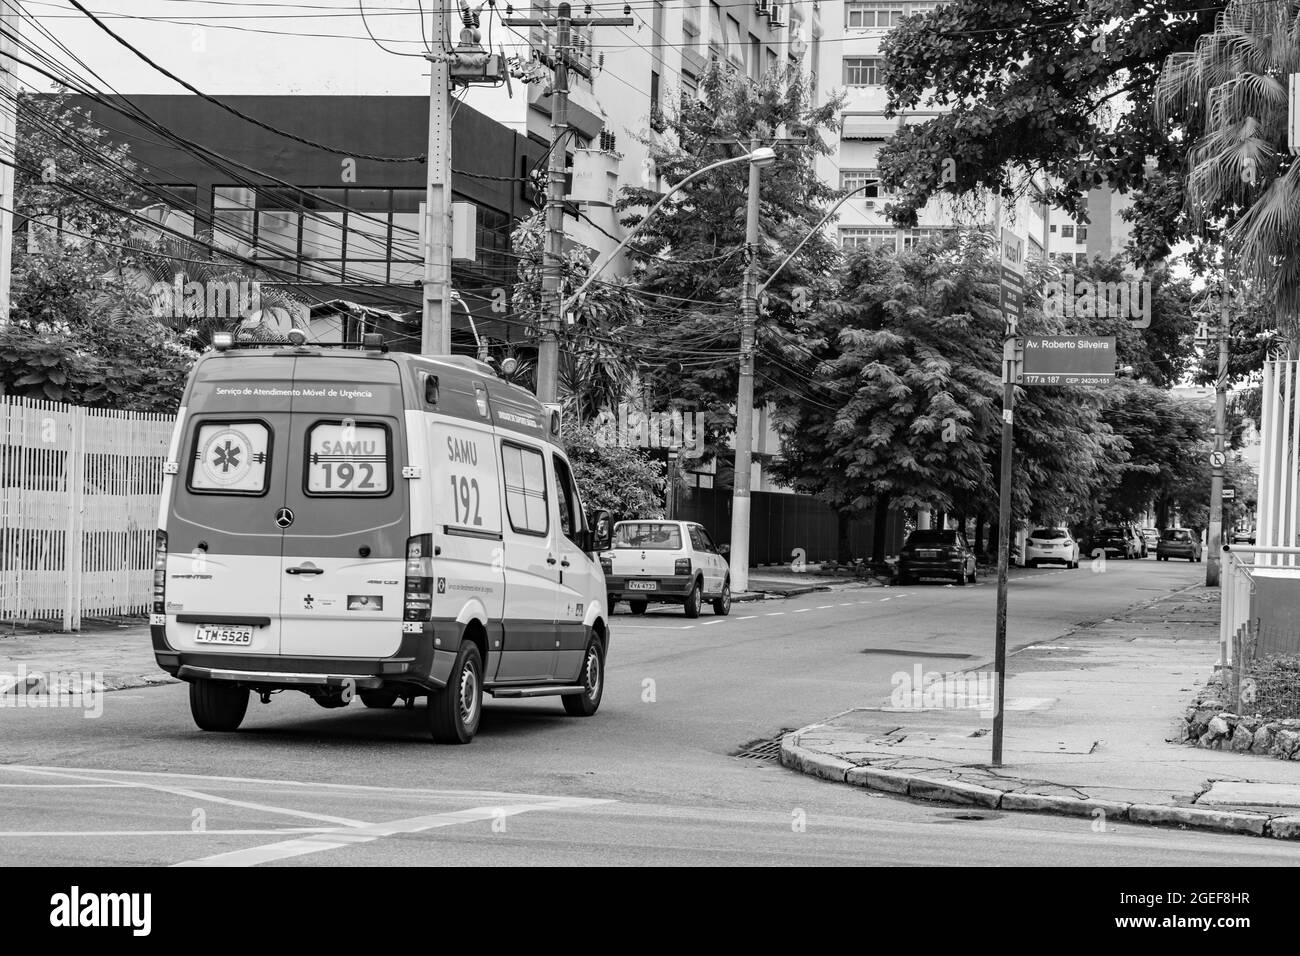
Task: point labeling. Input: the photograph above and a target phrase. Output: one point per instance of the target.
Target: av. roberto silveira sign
(1068, 360)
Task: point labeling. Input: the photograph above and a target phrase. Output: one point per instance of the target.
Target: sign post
(1011, 299)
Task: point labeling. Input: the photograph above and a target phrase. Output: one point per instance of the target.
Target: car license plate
(643, 585)
(927, 554)
(223, 634)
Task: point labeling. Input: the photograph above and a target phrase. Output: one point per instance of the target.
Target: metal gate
(78, 507)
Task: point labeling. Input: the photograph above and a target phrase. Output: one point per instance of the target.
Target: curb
(918, 787)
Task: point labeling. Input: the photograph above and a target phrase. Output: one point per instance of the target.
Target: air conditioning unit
(777, 15)
(870, 204)
(762, 7)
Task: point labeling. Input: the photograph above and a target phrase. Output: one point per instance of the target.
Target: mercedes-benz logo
(284, 517)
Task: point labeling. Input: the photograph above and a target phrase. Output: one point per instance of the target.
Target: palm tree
(1230, 95)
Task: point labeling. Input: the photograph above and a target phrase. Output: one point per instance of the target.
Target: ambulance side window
(525, 479)
(571, 522)
(230, 458)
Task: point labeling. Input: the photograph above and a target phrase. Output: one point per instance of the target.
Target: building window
(654, 96)
(851, 179)
(733, 47)
(690, 86)
(872, 15)
(1081, 234)
(1067, 232)
(346, 236)
(755, 63)
(913, 237)
(1051, 229)
(857, 237)
(717, 40)
(862, 70)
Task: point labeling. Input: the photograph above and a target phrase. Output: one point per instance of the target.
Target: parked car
(673, 562)
(936, 554)
(1051, 546)
(1179, 543)
(1151, 536)
(1243, 536)
(1115, 542)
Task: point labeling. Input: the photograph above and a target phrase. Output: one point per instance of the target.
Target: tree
(51, 170)
(78, 336)
(1228, 99)
(623, 481)
(690, 258)
(596, 370)
(1065, 88)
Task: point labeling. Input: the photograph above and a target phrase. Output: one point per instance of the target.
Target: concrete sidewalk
(117, 657)
(1089, 723)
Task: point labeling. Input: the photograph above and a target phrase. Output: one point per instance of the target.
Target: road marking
(747, 617)
(718, 621)
(802, 610)
(774, 613)
(846, 604)
(210, 798)
(140, 833)
(371, 832)
(655, 627)
(822, 607)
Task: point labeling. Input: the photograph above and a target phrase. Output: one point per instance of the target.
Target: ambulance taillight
(159, 572)
(419, 578)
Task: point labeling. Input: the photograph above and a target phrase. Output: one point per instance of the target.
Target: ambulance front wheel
(216, 705)
(455, 710)
(592, 680)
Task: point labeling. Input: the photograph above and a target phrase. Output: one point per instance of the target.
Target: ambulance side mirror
(603, 534)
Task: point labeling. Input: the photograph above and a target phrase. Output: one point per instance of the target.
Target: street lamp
(757, 158)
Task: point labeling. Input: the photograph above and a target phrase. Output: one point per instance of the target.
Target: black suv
(936, 554)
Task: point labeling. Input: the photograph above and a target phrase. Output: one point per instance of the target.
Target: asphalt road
(649, 780)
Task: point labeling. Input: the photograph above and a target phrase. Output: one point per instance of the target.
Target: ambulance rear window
(348, 458)
(230, 458)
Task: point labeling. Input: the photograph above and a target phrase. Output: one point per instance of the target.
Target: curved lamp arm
(815, 229)
(761, 155)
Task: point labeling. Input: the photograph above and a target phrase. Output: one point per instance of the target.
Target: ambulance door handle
(550, 559)
(564, 563)
(306, 570)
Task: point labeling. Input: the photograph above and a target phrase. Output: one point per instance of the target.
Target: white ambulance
(349, 521)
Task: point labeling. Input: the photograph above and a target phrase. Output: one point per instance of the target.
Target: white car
(1051, 546)
(673, 562)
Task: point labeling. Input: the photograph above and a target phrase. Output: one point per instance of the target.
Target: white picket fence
(78, 508)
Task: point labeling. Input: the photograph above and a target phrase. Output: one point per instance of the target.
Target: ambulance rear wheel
(217, 706)
(638, 607)
(454, 711)
(694, 600)
(378, 699)
(593, 683)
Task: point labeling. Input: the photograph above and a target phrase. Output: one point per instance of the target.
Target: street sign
(1218, 459)
(1011, 283)
(1229, 493)
(1068, 360)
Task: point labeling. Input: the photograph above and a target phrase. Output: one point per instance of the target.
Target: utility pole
(1219, 459)
(560, 61)
(8, 136)
(435, 330)
(740, 496)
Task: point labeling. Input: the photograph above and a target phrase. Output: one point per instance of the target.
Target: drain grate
(764, 749)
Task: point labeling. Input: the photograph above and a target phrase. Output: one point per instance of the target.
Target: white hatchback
(1051, 546)
(673, 562)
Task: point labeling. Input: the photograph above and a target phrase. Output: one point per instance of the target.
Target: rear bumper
(417, 663)
(932, 567)
(1049, 557)
(1175, 553)
(668, 588)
